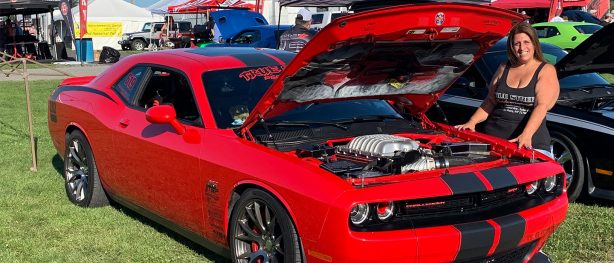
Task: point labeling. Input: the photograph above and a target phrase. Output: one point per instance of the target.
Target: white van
(321, 19)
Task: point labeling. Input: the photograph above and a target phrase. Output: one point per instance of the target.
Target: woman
(520, 94)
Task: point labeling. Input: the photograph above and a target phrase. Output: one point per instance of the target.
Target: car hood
(374, 55)
(230, 22)
(595, 54)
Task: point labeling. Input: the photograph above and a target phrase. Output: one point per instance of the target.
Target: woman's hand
(467, 126)
(523, 141)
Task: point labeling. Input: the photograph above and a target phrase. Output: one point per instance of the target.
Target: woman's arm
(546, 95)
(489, 103)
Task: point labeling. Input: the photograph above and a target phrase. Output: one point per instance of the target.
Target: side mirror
(164, 114)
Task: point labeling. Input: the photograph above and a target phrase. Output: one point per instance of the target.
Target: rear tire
(567, 154)
(262, 231)
(81, 180)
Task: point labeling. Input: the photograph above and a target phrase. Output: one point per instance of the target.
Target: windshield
(337, 111)
(147, 27)
(552, 55)
(233, 93)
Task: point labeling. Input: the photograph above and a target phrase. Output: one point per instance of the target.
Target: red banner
(82, 17)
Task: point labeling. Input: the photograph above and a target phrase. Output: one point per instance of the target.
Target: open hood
(411, 51)
(230, 22)
(595, 54)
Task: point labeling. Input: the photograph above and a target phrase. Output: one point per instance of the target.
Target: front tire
(567, 154)
(262, 231)
(81, 180)
(138, 45)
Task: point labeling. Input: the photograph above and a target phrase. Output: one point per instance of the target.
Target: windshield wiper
(307, 124)
(370, 118)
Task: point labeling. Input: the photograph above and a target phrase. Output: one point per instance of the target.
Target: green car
(566, 35)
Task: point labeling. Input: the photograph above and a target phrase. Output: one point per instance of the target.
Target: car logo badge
(439, 18)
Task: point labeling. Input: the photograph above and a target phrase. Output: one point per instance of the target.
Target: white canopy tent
(108, 19)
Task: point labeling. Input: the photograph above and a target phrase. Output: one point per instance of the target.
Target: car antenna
(443, 114)
(266, 128)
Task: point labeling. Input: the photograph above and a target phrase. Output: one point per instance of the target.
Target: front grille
(514, 256)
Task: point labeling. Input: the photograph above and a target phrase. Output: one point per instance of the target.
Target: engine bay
(376, 155)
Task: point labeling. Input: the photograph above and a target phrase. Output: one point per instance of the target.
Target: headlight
(550, 184)
(532, 187)
(359, 214)
(385, 210)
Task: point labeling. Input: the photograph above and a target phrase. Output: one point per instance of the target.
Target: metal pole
(34, 167)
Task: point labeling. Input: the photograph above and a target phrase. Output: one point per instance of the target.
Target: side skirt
(196, 238)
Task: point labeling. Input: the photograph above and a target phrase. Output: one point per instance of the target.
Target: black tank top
(513, 109)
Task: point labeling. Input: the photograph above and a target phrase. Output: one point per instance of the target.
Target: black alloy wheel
(261, 231)
(81, 181)
(567, 154)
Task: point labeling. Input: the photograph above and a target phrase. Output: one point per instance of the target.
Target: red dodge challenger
(325, 156)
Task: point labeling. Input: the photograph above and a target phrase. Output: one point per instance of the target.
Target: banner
(67, 15)
(102, 29)
(82, 17)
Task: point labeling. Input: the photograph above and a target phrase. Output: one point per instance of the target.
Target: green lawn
(38, 223)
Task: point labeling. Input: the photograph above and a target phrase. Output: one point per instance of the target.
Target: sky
(142, 3)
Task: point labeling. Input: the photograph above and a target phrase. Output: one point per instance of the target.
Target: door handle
(124, 123)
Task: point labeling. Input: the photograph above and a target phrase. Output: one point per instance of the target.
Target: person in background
(521, 92)
(3, 36)
(609, 18)
(295, 38)
(557, 18)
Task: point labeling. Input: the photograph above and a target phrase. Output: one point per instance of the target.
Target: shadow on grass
(592, 201)
(209, 255)
(12, 131)
(58, 164)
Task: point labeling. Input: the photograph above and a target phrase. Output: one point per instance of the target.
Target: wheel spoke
(79, 190)
(271, 224)
(74, 156)
(249, 232)
(564, 157)
(259, 222)
(247, 238)
(244, 255)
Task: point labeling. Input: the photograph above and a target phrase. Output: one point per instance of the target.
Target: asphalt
(45, 74)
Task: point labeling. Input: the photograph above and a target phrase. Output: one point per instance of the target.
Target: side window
(553, 31)
(542, 31)
(247, 37)
(127, 86)
(169, 87)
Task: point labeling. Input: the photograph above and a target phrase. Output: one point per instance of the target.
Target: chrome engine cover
(379, 145)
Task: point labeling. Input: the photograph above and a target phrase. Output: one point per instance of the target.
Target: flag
(82, 17)
(67, 15)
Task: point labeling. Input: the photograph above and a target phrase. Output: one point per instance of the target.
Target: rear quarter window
(587, 29)
(127, 86)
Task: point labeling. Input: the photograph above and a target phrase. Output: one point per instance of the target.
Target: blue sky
(142, 3)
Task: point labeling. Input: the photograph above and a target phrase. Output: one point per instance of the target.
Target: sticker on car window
(268, 72)
(130, 81)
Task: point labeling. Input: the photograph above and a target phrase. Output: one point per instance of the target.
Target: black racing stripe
(476, 240)
(499, 177)
(285, 57)
(59, 90)
(512, 231)
(254, 60)
(464, 183)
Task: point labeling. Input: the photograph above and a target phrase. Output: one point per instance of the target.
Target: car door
(158, 167)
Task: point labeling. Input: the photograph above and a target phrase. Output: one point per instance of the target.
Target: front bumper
(125, 42)
(518, 235)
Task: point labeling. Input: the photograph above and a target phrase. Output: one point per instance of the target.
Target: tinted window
(317, 18)
(542, 31)
(127, 86)
(336, 15)
(233, 93)
(185, 27)
(587, 29)
(172, 88)
(247, 37)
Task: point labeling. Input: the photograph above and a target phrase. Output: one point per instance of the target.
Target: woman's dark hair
(526, 28)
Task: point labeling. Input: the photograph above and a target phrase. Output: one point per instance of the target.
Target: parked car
(149, 34)
(581, 124)
(566, 35)
(267, 156)
(582, 16)
(257, 36)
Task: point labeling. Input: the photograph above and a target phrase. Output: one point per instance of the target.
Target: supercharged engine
(383, 154)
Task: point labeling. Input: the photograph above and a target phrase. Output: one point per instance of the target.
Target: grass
(39, 224)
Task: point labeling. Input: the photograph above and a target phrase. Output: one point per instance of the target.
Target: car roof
(569, 23)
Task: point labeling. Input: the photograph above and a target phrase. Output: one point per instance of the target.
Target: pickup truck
(150, 34)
